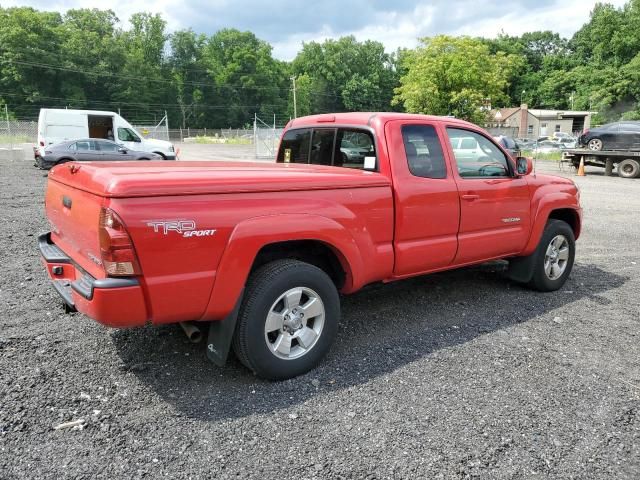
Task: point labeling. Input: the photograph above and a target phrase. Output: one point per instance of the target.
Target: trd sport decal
(185, 228)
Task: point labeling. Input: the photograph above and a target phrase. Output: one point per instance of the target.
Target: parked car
(612, 136)
(567, 142)
(546, 146)
(61, 125)
(89, 150)
(557, 136)
(259, 252)
(509, 144)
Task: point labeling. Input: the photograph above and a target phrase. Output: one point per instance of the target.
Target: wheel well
(161, 154)
(569, 216)
(311, 251)
(65, 159)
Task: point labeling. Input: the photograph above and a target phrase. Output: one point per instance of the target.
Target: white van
(59, 125)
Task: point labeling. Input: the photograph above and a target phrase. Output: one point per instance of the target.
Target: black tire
(161, 154)
(540, 280)
(265, 286)
(64, 160)
(629, 168)
(41, 165)
(143, 158)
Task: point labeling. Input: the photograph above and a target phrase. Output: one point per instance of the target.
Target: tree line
(84, 59)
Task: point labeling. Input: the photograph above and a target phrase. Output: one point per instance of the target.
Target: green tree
(189, 77)
(91, 55)
(144, 79)
(27, 38)
(248, 79)
(455, 76)
(347, 74)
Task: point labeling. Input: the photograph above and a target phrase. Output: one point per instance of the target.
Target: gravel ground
(455, 375)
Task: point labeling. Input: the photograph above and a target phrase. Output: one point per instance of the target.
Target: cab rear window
(339, 147)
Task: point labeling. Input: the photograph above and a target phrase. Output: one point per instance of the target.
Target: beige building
(533, 123)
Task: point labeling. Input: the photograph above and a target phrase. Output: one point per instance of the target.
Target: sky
(286, 24)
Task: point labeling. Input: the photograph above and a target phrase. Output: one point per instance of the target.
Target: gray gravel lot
(455, 375)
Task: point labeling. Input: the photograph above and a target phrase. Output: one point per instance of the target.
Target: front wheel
(554, 257)
(288, 319)
(595, 144)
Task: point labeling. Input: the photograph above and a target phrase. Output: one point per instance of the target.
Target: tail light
(116, 248)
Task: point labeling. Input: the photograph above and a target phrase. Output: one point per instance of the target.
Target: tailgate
(74, 215)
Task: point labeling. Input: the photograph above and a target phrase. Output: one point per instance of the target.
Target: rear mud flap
(221, 334)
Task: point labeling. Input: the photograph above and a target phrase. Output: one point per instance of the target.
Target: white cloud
(286, 24)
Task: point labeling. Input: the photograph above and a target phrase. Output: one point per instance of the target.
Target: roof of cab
(368, 118)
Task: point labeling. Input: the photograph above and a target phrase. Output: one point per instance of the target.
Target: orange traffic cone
(581, 172)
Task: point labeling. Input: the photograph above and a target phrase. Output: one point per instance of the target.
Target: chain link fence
(17, 139)
(266, 138)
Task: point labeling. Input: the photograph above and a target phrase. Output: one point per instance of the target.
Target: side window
(342, 147)
(294, 147)
(127, 135)
(107, 146)
(352, 147)
(476, 156)
(85, 145)
(322, 146)
(424, 152)
(73, 147)
(630, 127)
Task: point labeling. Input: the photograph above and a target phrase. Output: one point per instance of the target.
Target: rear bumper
(115, 302)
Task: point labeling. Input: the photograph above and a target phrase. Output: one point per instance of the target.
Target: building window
(530, 129)
(543, 125)
(557, 128)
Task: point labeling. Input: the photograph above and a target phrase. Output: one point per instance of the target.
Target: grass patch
(552, 156)
(5, 139)
(227, 141)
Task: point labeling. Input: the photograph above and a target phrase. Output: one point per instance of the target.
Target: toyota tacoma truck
(261, 252)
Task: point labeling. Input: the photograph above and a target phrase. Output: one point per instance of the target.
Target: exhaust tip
(193, 333)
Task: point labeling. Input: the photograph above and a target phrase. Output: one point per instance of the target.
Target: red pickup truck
(261, 251)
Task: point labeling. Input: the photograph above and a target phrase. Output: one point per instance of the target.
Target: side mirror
(524, 165)
(122, 150)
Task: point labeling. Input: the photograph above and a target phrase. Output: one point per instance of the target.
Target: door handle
(470, 196)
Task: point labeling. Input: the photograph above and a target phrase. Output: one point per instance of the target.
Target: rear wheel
(161, 154)
(629, 168)
(595, 144)
(288, 319)
(554, 257)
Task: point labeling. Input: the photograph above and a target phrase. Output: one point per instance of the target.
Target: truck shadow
(383, 328)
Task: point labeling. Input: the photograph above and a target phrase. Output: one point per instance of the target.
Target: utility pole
(295, 105)
(6, 114)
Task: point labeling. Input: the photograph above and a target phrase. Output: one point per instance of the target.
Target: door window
(477, 156)
(85, 146)
(424, 152)
(127, 135)
(630, 127)
(108, 147)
